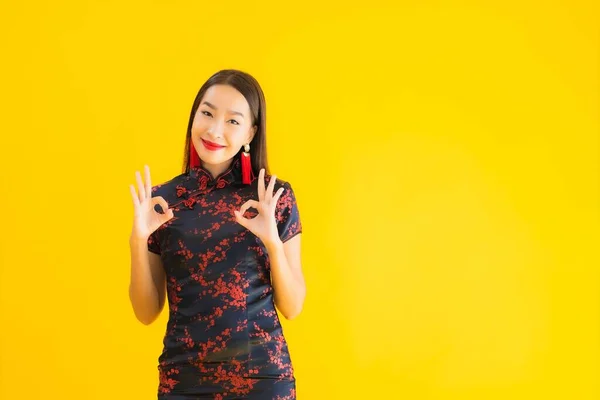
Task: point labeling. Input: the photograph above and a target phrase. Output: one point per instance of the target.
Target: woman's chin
(214, 158)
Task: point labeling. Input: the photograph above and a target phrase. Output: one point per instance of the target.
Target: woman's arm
(286, 276)
(147, 287)
(280, 231)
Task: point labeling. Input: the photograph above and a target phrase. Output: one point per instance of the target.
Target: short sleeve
(287, 214)
(153, 242)
(155, 237)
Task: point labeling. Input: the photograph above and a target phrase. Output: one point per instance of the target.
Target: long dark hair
(249, 87)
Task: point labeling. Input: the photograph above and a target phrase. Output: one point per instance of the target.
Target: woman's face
(222, 125)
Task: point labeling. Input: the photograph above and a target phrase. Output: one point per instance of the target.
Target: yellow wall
(450, 214)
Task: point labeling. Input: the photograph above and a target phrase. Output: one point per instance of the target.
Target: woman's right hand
(146, 220)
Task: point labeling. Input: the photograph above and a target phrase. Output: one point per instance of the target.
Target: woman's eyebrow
(230, 111)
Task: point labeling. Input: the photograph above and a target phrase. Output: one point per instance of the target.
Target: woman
(224, 246)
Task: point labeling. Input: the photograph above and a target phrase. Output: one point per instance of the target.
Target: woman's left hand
(264, 224)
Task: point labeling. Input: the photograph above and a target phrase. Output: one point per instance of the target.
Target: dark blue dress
(223, 339)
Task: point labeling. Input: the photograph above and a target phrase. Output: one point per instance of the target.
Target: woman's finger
(261, 185)
(277, 196)
(247, 205)
(141, 190)
(162, 202)
(241, 220)
(136, 200)
(167, 215)
(148, 181)
(269, 193)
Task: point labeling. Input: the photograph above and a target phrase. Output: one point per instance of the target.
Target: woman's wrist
(135, 240)
(273, 245)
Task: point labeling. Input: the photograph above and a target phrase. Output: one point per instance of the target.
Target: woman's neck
(217, 169)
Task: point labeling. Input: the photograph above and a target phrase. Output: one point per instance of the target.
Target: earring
(247, 173)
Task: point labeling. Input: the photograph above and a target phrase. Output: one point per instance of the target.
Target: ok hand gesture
(146, 219)
(264, 224)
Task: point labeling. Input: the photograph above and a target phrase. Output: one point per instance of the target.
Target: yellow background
(450, 207)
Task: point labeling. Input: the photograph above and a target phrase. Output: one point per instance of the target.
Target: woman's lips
(211, 146)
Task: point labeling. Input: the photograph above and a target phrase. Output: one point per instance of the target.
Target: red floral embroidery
(167, 383)
(190, 202)
(181, 190)
(221, 183)
(203, 182)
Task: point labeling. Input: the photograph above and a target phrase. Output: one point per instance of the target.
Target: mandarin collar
(232, 175)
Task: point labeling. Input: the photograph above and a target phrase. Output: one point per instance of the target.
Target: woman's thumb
(167, 215)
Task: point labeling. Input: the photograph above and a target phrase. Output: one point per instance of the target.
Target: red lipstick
(211, 146)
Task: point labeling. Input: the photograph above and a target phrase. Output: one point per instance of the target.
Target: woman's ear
(252, 133)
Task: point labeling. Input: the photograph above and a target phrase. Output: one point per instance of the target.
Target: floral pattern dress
(223, 338)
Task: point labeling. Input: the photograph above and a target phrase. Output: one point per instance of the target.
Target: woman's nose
(216, 129)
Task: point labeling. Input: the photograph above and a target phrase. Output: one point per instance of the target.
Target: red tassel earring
(247, 173)
(194, 158)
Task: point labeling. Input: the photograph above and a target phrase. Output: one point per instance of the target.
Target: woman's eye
(208, 114)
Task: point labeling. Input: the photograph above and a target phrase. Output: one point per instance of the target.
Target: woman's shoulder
(279, 181)
(171, 186)
(288, 196)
